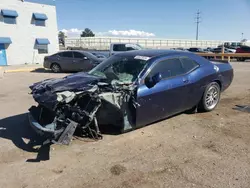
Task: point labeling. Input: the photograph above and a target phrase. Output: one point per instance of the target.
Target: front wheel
(55, 68)
(211, 97)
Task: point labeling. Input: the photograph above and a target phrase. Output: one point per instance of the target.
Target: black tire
(56, 68)
(210, 98)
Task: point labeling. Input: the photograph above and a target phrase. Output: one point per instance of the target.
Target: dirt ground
(198, 150)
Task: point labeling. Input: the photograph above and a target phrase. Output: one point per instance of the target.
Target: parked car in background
(209, 49)
(196, 50)
(181, 49)
(123, 47)
(200, 50)
(243, 49)
(72, 61)
(99, 55)
(230, 50)
(226, 50)
(231, 45)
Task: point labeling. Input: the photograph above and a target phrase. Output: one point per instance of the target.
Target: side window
(67, 54)
(119, 47)
(129, 49)
(188, 64)
(168, 68)
(78, 55)
(59, 54)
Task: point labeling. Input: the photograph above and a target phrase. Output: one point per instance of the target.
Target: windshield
(120, 68)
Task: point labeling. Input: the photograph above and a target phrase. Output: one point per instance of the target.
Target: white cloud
(126, 33)
(75, 32)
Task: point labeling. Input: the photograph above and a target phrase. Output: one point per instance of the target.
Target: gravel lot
(198, 150)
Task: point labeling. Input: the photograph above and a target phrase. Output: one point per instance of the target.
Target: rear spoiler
(218, 61)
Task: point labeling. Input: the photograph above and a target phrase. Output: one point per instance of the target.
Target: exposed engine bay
(59, 114)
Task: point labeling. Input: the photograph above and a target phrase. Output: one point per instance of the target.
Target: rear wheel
(210, 98)
(55, 68)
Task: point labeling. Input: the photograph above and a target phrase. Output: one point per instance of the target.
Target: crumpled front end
(60, 113)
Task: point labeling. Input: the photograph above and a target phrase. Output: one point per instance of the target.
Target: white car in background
(123, 47)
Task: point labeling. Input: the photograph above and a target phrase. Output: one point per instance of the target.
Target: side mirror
(151, 81)
(85, 58)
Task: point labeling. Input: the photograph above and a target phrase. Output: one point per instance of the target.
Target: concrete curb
(20, 70)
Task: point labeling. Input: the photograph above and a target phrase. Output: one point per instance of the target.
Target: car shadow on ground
(16, 128)
(41, 70)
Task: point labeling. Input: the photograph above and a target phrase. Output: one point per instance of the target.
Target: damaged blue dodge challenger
(129, 90)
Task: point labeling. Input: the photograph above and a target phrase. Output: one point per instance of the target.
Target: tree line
(85, 33)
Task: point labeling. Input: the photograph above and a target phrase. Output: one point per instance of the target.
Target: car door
(81, 62)
(165, 98)
(66, 61)
(193, 88)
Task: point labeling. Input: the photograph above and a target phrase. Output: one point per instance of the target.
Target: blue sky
(221, 19)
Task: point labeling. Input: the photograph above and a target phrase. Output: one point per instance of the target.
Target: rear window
(188, 64)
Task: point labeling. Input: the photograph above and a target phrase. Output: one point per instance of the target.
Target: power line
(197, 21)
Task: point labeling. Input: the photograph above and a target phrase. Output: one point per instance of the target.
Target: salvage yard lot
(198, 150)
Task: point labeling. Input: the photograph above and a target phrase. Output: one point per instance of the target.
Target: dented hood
(45, 92)
(74, 82)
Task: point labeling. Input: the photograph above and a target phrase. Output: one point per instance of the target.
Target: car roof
(148, 53)
(73, 51)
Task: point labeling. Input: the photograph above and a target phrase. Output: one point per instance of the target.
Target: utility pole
(197, 21)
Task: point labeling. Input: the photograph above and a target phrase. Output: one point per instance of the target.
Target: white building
(28, 31)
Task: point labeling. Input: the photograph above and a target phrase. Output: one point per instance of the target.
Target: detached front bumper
(39, 128)
(62, 135)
